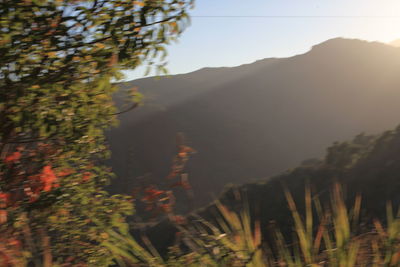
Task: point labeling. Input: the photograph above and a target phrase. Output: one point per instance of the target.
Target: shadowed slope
(368, 166)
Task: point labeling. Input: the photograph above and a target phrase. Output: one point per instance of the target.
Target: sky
(234, 32)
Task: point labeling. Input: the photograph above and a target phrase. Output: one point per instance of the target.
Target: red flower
(166, 207)
(179, 219)
(13, 157)
(48, 178)
(172, 175)
(33, 196)
(149, 207)
(182, 154)
(86, 176)
(3, 216)
(178, 234)
(4, 198)
(152, 194)
(65, 172)
(14, 242)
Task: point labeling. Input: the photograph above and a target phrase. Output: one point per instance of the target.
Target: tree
(58, 59)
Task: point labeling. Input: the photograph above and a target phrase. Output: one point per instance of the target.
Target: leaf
(100, 45)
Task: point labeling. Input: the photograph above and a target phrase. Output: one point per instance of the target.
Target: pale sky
(235, 32)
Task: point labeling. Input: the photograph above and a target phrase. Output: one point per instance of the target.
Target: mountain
(256, 120)
(395, 43)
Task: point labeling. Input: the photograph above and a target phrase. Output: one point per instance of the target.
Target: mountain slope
(259, 119)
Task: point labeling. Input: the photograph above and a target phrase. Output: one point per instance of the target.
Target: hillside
(367, 165)
(259, 119)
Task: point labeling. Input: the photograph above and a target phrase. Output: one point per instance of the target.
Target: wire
(295, 16)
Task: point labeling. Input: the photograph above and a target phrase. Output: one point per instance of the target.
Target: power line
(297, 16)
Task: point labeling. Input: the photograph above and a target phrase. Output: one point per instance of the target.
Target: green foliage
(57, 63)
(346, 154)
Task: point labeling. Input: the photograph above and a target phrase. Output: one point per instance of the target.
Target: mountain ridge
(317, 46)
(256, 120)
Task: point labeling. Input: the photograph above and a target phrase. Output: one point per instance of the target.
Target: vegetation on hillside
(335, 239)
(367, 165)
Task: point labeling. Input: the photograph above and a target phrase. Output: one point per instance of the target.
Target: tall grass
(333, 243)
(324, 236)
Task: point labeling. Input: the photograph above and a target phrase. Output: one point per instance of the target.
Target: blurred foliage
(235, 239)
(58, 59)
